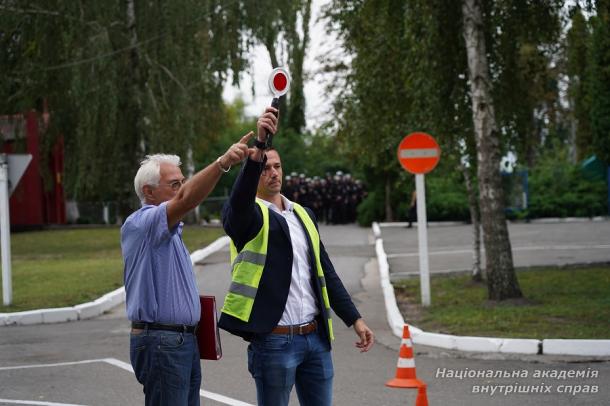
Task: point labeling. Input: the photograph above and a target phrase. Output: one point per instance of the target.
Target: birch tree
(501, 278)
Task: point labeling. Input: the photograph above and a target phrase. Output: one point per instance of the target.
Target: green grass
(558, 303)
(66, 267)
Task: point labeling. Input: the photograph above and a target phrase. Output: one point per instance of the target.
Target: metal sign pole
(5, 233)
(422, 239)
(419, 153)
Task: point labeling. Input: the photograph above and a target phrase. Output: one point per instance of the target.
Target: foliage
(235, 125)
(283, 28)
(121, 80)
(371, 208)
(559, 189)
(324, 155)
(446, 198)
(599, 60)
(407, 71)
(522, 38)
(370, 114)
(577, 44)
(312, 154)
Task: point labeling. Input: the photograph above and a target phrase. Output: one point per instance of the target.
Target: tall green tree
(600, 81)
(407, 70)
(373, 102)
(578, 40)
(121, 80)
(523, 42)
(283, 28)
(502, 281)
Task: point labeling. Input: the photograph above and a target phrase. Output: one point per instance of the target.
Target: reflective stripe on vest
(312, 231)
(246, 271)
(248, 265)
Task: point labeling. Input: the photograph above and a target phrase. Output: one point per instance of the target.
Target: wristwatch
(262, 145)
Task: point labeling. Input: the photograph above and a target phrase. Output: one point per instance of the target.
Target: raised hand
(236, 152)
(267, 122)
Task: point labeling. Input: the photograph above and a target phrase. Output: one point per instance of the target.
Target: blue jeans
(167, 364)
(279, 361)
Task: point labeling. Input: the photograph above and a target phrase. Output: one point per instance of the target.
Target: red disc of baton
(279, 81)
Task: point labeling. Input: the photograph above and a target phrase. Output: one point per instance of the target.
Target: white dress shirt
(301, 304)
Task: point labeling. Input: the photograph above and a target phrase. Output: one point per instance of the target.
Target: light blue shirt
(159, 281)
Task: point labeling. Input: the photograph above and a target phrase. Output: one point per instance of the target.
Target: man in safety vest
(283, 284)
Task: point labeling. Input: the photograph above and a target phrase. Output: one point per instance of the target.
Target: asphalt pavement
(450, 247)
(87, 362)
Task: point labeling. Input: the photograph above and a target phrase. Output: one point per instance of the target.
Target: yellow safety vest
(249, 263)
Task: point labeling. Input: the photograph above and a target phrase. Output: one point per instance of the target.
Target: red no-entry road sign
(418, 153)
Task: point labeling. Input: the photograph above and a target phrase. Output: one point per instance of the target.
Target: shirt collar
(287, 204)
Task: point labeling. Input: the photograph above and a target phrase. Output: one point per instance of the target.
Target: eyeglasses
(175, 185)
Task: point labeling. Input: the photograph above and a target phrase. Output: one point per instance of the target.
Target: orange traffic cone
(405, 370)
(422, 398)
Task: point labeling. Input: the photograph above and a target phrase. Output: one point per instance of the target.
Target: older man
(161, 293)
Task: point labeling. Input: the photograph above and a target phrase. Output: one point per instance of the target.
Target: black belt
(181, 328)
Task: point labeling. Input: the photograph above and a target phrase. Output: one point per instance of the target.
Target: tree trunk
(270, 45)
(193, 216)
(389, 213)
(135, 100)
(477, 275)
(501, 278)
(297, 49)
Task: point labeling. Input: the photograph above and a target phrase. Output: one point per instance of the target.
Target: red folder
(208, 336)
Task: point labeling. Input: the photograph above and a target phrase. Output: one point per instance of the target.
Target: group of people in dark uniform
(333, 198)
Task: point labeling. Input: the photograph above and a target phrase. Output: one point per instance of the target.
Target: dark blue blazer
(242, 219)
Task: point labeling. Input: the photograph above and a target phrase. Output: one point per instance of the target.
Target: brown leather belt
(300, 329)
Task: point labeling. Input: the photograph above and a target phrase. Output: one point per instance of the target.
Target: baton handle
(275, 103)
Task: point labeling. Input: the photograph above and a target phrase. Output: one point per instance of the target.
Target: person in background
(412, 214)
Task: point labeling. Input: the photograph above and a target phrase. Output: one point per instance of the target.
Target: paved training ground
(87, 362)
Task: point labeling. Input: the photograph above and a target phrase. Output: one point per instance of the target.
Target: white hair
(150, 171)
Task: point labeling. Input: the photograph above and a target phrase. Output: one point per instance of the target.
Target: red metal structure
(34, 202)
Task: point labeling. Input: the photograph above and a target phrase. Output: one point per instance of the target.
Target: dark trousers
(167, 364)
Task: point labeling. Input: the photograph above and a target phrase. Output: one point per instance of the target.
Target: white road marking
(117, 363)
(59, 364)
(34, 402)
(222, 399)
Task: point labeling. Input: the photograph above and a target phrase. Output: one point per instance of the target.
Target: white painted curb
(24, 318)
(217, 245)
(59, 314)
(98, 306)
(577, 347)
(474, 344)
